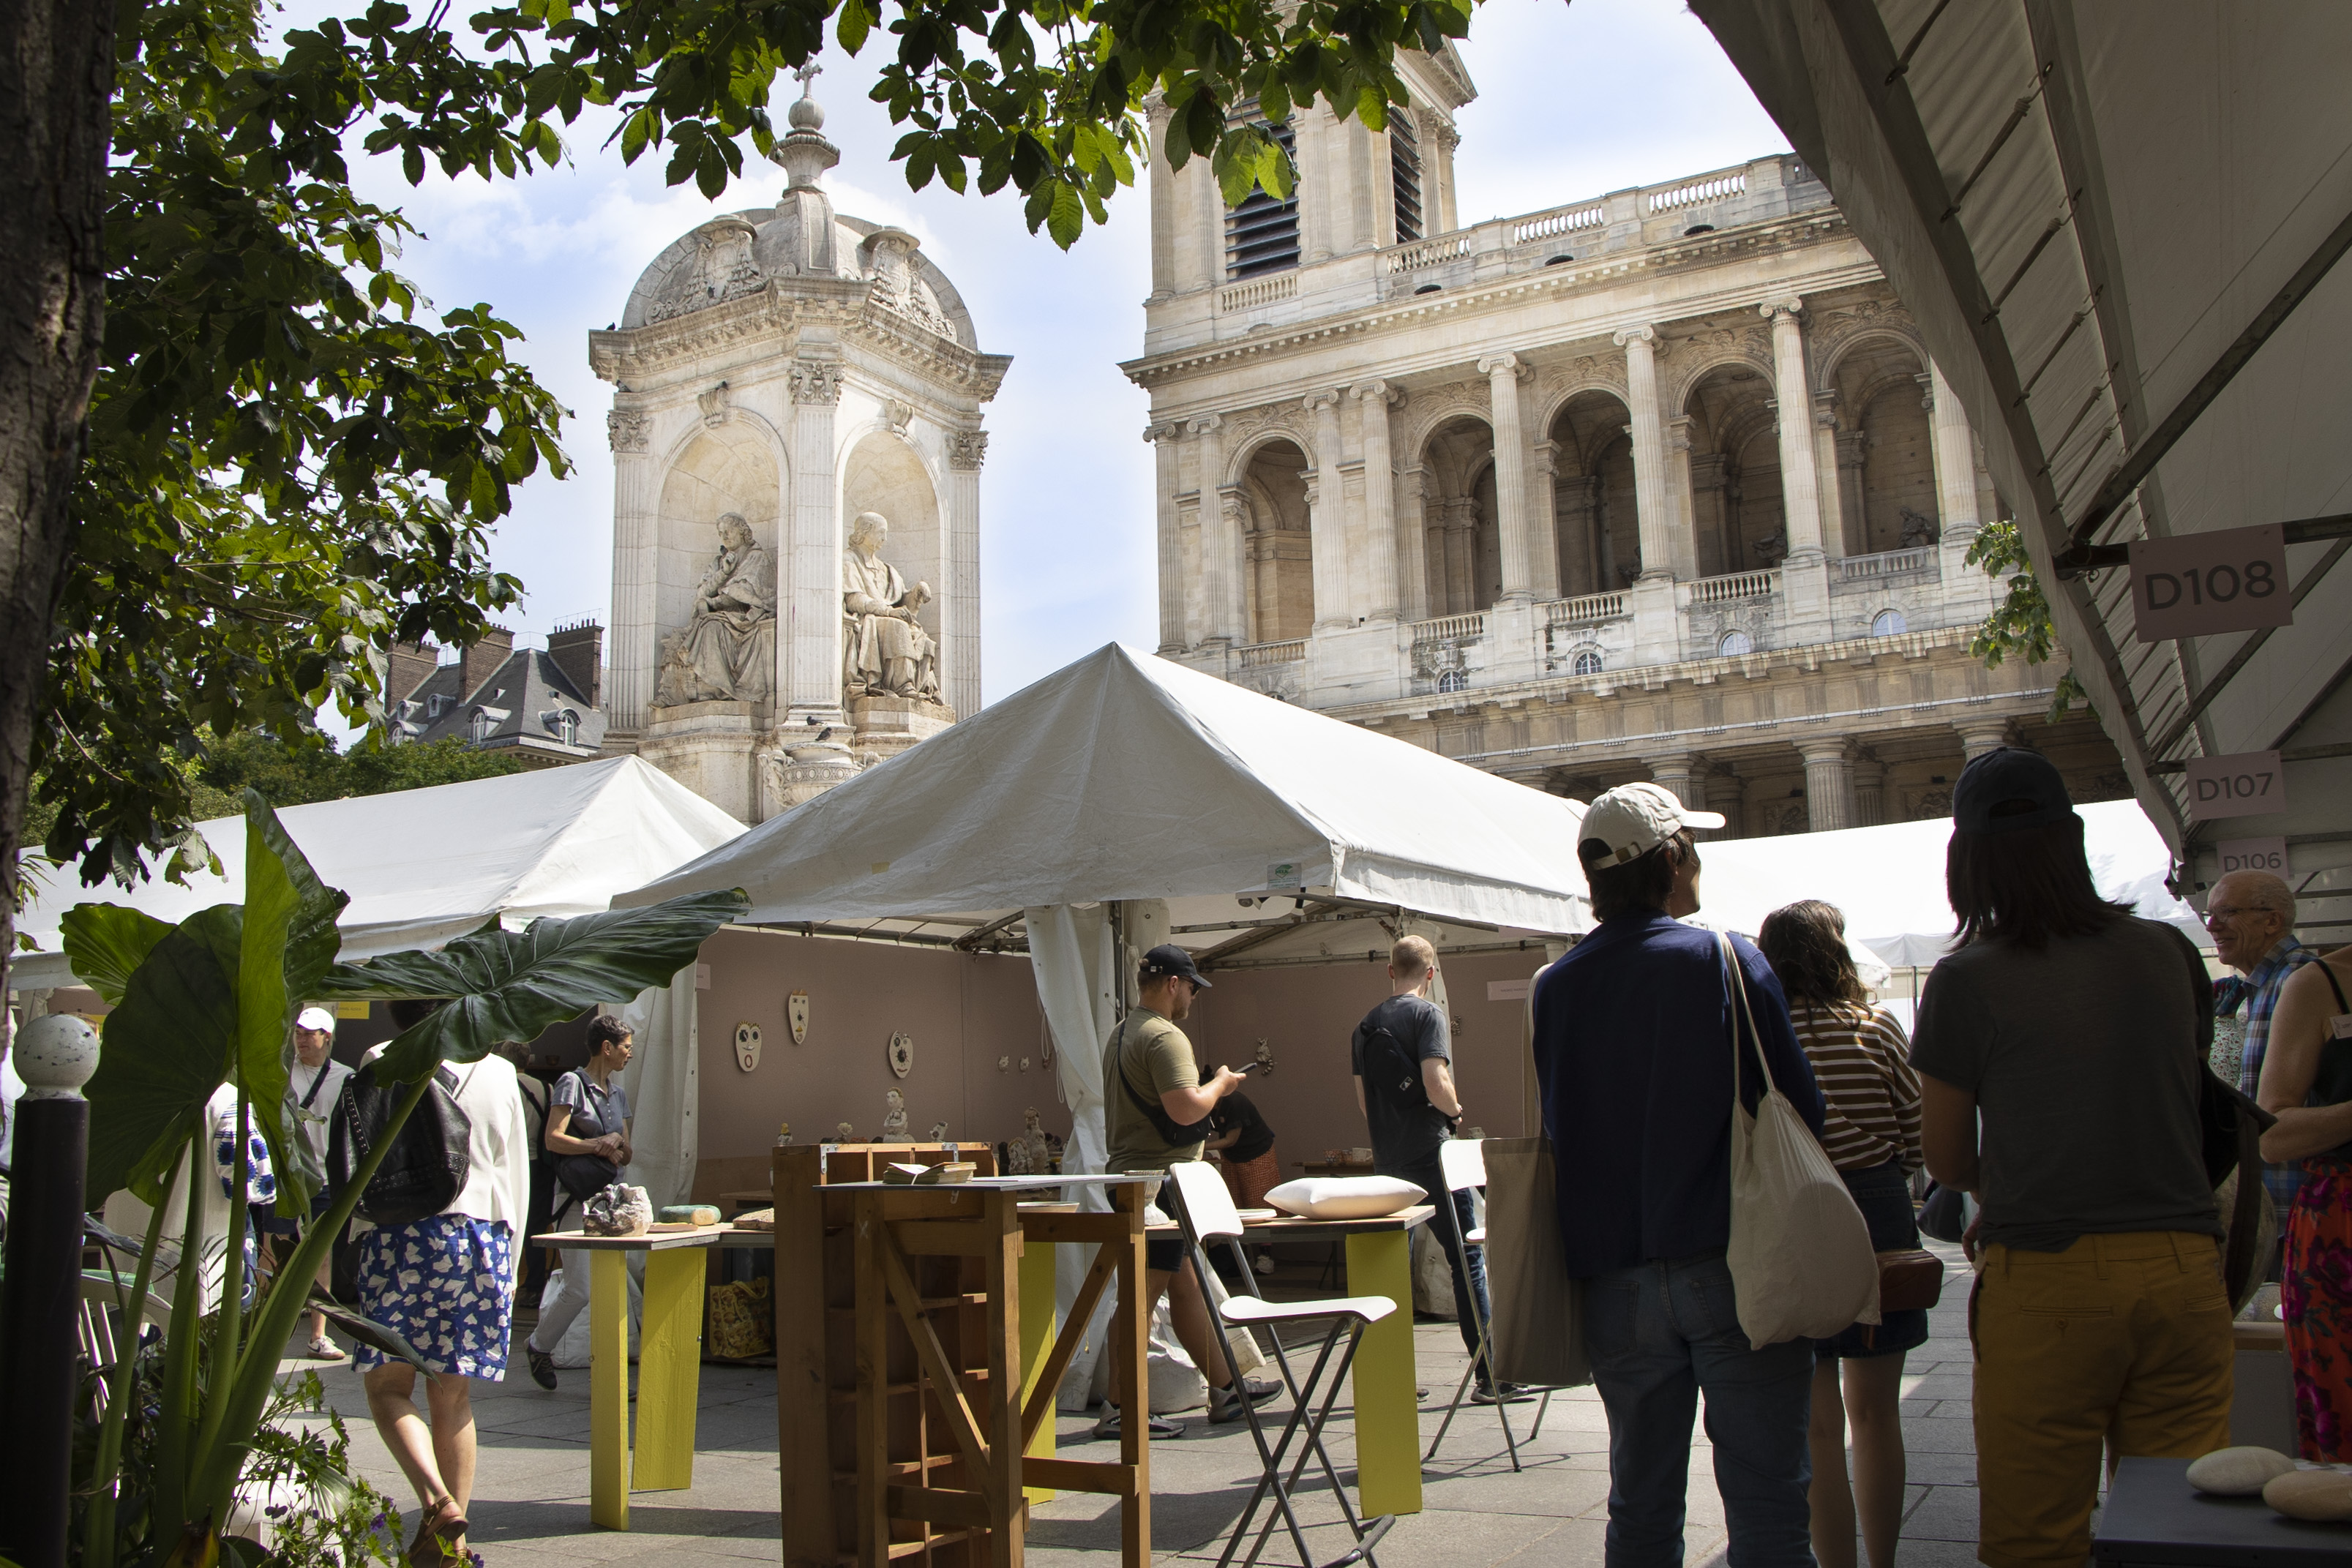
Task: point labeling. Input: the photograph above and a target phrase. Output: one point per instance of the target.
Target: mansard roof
(525, 699)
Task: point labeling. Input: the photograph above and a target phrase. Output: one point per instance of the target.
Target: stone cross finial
(806, 75)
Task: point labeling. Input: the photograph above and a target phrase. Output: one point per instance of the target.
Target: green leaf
(288, 942)
(508, 985)
(164, 1052)
(105, 943)
(1068, 218)
(849, 29)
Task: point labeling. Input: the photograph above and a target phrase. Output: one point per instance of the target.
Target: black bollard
(40, 1365)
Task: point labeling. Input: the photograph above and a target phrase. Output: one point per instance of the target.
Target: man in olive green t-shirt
(1148, 1067)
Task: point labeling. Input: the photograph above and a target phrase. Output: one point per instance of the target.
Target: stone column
(636, 552)
(1326, 515)
(1727, 794)
(1413, 550)
(960, 609)
(1193, 190)
(1681, 483)
(1980, 735)
(1955, 473)
(1543, 476)
(1164, 435)
(1826, 463)
(1164, 204)
(1673, 773)
(1504, 373)
(1829, 784)
(1444, 139)
(1233, 534)
(1311, 138)
(1266, 583)
(1221, 582)
(809, 632)
(1710, 509)
(1572, 520)
(1385, 541)
(1852, 449)
(1869, 792)
(1800, 486)
(1651, 502)
(1461, 564)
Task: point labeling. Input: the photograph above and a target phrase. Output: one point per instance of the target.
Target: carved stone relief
(816, 380)
(967, 449)
(628, 431)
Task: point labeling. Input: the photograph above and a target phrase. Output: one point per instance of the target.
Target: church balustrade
(1429, 253)
(1258, 655)
(1699, 191)
(1875, 569)
(1258, 292)
(1559, 220)
(1733, 586)
(1587, 609)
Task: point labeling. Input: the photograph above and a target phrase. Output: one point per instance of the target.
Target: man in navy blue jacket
(1633, 1048)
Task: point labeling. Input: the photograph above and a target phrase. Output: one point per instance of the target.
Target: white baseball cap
(317, 1018)
(1635, 819)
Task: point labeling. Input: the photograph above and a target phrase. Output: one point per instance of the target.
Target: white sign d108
(2198, 585)
(2253, 854)
(2249, 784)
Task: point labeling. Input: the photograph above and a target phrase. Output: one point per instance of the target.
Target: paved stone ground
(530, 1502)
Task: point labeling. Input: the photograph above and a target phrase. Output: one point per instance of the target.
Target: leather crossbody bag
(1910, 1279)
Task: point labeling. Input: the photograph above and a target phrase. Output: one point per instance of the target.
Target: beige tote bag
(1802, 1264)
(1536, 1321)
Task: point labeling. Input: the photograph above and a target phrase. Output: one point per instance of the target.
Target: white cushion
(1344, 1198)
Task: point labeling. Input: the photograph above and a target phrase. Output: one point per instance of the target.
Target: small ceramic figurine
(1013, 1158)
(1003, 1064)
(1264, 1060)
(841, 1129)
(1041, 1156)
(894, 1122)
(938, 1132)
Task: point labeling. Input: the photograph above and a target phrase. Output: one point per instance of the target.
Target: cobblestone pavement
(530, 1501)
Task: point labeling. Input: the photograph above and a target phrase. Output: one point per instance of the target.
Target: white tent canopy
(1889, 880)
(2119, 227)
(424, 865)
(1125, 777)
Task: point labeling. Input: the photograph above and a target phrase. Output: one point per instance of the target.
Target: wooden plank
(1132, 1319)
(939, 1238)
(946, 1377)
(1103, 1477)
(1083, 1230)
(1037, 1341)
(804, 1416)
(938, 1505)
(1001, 1483)
(873, 1374)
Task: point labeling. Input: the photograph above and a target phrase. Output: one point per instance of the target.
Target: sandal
(323, 1348)
(440, 1536)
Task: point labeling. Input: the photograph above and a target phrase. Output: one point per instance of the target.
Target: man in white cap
(312, 1088)
(1634, 1046)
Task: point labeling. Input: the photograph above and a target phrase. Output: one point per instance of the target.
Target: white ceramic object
(2321, 1497)
(1345, 1198)
(2238, 1472)
(54, 1055)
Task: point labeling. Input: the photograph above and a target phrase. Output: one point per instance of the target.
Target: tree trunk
(57, 84)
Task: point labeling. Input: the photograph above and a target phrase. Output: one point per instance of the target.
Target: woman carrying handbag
(1871, 1132)
(588, 1134)
(2307, 1084)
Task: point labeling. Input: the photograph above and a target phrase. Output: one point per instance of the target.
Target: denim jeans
(1660, 1334)
(1469, 1264)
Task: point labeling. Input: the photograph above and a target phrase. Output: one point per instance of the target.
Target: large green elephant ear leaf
(165, 1049)
(106, 942)
(508, 985)
(289, 942)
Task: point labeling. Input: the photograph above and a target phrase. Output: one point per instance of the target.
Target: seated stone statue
(727, 652)
(885, 652)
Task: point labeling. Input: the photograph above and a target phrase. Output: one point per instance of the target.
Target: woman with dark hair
(2058, 1049)
(1871, 1132)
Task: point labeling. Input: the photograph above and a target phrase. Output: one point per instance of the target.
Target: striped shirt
(1863, 1063)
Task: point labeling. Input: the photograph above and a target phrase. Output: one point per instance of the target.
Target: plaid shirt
(2259, 993)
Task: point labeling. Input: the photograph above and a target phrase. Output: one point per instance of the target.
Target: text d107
(2249, 784)
(2199, 585)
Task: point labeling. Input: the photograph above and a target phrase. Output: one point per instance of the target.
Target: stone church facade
(797, 442)
(1654, 484)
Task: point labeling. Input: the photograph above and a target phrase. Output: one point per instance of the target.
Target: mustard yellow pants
(2120, 1342)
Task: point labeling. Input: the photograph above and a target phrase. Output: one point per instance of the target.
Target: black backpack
(428, 1164)
(1390, 1069)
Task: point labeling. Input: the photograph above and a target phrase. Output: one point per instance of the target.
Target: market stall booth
(2120, 228)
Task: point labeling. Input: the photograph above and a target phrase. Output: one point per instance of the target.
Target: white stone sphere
(2238, 1472)
(804, 115)
(55, 1056)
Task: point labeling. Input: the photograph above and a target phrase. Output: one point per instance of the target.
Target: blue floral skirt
(445, 1284)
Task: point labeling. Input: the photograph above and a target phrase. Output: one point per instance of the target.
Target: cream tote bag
(1802, 1264)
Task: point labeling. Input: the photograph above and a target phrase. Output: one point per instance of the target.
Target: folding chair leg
(1365, 1541)
(1270, 1459)
(1540, 1411)
(1445, 1425)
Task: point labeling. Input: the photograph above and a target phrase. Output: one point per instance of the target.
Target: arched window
(1735, 644)
(567, 727)
(1453, 681)
(483, 723)
(1588, 661)
(1888, 623)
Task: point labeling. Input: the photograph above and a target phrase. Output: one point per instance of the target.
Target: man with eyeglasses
(2252, 916)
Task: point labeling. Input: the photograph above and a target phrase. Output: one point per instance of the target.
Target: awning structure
(2118, 225)
(1889, 880)
(424, 865)
(1275, 833)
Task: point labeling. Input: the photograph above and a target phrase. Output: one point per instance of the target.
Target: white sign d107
(2248, 784)
(2198, 585)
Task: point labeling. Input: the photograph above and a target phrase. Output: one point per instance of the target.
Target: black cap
(2007, 790)
(1169, 959)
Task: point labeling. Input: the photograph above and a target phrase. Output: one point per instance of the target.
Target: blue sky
(1574, 100)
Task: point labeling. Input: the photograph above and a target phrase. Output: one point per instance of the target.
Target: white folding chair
(1462, 1162)
(1205, 1211)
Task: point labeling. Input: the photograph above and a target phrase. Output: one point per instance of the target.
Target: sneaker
(1501, 1394)
(1161, 1427)
(542, 1365)
(1224, 1407)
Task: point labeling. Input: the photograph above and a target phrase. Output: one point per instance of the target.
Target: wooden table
(1388, 1409)
(669, 1359)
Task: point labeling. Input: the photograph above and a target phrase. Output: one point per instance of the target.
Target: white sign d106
(2198, 585)
(2253, 854)
(2249, 784)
